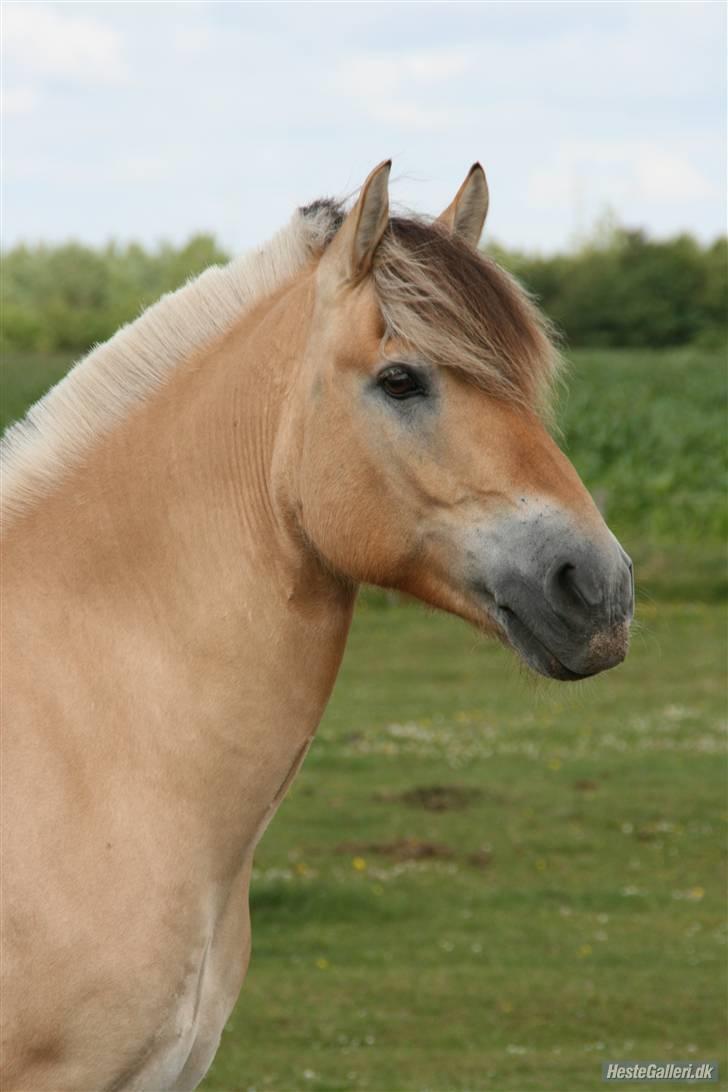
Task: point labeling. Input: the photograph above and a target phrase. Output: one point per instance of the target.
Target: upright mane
(103, 386)
(454, 306)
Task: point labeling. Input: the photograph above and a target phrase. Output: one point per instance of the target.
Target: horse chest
(184, 1050)
(185, 1044)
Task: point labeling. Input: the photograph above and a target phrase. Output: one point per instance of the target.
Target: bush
(619, 289)
(626, 290)
(69, 297)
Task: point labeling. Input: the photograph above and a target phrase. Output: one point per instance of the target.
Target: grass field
(479, 881)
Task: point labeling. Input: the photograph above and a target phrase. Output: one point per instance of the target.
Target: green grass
(647, 430)
(573, 909)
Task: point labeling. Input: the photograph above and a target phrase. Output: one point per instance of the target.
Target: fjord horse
(187, 516)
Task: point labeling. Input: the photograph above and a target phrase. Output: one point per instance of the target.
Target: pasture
(483, 881)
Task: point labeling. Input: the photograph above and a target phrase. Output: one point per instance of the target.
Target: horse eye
(399, 382)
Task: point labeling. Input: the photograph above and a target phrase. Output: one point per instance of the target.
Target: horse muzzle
(562, 599)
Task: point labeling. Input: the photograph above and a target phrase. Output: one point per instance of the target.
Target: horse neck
(219, 630)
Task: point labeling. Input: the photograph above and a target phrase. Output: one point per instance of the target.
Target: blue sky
(153, 120)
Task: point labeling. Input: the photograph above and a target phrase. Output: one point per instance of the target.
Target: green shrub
(626, 290)
(618, 289)
(67, 298)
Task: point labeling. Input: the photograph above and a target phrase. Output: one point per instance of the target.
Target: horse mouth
(522, 639)
(536, 654)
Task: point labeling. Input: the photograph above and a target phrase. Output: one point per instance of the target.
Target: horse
(187, 518)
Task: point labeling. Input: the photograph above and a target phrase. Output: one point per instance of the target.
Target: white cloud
(394, 87)
(192, 41)
(18, 100)
(237, 112)
(663, 176)
(119, 169)
(140, 168)
(47, 42)
(596, 173)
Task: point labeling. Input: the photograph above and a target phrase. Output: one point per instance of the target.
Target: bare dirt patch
(434, 797)
(402, 849)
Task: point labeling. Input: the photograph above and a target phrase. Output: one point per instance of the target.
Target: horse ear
(466, 214)
(352, 250)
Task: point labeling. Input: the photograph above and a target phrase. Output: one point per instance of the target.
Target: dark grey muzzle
(565, 600)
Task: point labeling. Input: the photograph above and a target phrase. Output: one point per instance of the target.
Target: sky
(155, 120)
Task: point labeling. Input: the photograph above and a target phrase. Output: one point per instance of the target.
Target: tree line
(619, 288)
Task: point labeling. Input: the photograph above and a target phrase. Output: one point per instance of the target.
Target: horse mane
(449, 303)
(101, 389)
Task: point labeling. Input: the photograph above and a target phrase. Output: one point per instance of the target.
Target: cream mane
(105, 384)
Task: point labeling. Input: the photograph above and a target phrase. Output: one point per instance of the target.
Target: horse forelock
(457, 308)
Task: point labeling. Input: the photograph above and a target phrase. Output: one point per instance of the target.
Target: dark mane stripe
(457, 307)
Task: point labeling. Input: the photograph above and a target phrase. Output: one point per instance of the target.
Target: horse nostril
(568, 585)
(563, 576)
